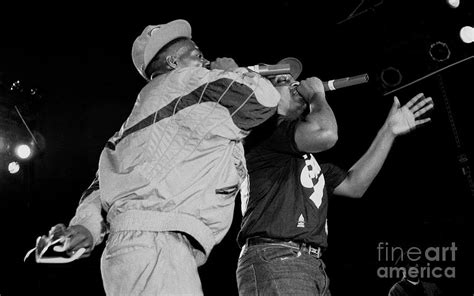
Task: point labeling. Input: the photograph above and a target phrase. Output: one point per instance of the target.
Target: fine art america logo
(428, 262)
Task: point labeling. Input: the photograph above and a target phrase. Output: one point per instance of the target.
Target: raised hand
(309, 86)
(402, 120)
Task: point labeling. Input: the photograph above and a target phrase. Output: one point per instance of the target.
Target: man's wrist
(387, 131)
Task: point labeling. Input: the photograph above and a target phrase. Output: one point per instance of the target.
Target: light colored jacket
(177, 162)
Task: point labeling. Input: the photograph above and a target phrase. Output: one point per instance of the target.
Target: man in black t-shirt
(284, 206)
(412, 284)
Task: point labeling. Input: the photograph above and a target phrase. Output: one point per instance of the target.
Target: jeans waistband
(301, 246)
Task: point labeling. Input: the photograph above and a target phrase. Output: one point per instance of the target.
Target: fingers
(312, 84)
(414, 100)
(395, 105)
(79, 237)
(422, 107)
(423, 110)
(396, 102)
(314, 81)
(421, 121)
(86, 252)
(58, 227)
(57, 231)
(78, 242)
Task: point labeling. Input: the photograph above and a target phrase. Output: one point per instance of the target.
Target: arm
(249, 98)
(264, 91)
(86, 228)
(318, 131)
(399, 121)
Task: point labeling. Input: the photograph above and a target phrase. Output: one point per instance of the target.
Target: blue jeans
(277, 269)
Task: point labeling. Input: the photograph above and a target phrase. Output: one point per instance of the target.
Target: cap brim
(296, 67)
(167, 33)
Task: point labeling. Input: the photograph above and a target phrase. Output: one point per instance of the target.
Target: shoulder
(431, 288)
(271, 133)
(396, 290)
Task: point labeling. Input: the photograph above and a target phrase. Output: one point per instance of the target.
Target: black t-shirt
(404, 288)
(288, 189)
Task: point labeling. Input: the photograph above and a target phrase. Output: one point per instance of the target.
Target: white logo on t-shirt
(300, 221)
(311, 177)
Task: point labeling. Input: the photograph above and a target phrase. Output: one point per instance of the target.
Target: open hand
(402, 120)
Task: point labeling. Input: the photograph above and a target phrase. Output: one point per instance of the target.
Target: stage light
(13, 167)
(453, 3)
(23, 151)
(439, 51)
(391, 76)
(467, 34)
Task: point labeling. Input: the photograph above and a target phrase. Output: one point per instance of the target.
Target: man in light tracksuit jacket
(167, 180)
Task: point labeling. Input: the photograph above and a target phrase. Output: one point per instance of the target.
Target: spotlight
(23, 151)
(453, 3)
(391, 76)
(13, 167)
(439, 51)
(467, 34)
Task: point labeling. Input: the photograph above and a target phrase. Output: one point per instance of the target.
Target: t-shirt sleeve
(333, 175)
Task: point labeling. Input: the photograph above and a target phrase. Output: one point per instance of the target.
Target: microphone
(271, 70)
(345, 82)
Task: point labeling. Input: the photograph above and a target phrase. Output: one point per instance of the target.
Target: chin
(295, 114)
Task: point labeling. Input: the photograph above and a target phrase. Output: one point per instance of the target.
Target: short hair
(158, 62)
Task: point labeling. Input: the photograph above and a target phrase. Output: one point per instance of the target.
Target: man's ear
(172, 62)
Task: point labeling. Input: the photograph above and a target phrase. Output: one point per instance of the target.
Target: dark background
(77, 58)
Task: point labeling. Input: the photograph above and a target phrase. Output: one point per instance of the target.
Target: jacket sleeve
(88, 213)
(265, 93)
(250, 98)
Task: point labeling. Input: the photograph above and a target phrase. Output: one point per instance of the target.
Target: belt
(303, 247)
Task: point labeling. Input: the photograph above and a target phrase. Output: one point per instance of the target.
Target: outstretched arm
(400, 120)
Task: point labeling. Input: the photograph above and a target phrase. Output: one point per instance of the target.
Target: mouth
(294, 89)
(295, 93)
(297, 97)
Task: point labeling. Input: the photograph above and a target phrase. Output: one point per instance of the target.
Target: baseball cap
(296, 67)
(155, 37)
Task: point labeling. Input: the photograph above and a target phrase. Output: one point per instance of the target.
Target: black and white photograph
(194, 148)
